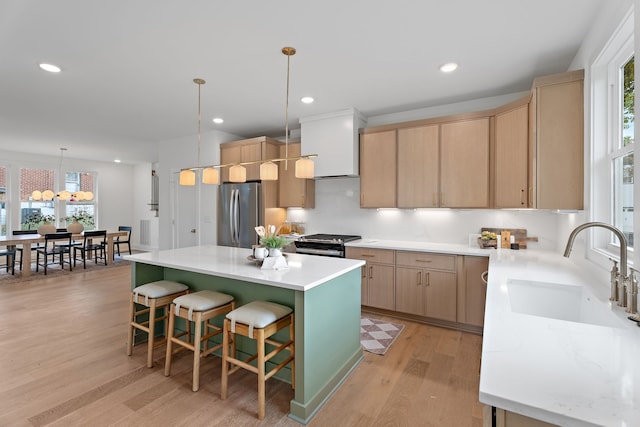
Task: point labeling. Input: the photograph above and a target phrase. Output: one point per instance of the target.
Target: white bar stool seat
(152, 296)
(198, 307)
(257, 320)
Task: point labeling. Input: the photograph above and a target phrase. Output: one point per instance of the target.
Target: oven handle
(325, 252)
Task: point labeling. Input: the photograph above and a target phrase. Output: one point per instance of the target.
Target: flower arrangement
(274, 241)
(36, 219)
(488, 239)
(82, 216)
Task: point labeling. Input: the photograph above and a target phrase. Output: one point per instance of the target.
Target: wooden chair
(94, 241)
(152, 296)
(10, 254)
(200, 308)
(121, 241)
(258, 320)
(55, 244)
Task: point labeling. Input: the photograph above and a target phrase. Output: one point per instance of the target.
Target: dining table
(27, 240)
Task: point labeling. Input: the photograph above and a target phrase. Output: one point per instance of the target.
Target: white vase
(46, 228)
(75, 227)
(275, 252)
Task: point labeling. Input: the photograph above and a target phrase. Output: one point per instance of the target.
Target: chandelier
(304, 166)
(47, 195)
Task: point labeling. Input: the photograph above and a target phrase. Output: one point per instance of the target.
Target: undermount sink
(559, 301)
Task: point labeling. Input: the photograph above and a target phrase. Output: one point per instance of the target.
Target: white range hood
(334, 138)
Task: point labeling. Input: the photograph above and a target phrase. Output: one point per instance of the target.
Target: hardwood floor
(63, 363)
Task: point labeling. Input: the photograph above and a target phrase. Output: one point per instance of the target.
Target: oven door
(322, 249)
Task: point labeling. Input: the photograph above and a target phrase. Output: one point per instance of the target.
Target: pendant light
(48, 195)
(209, 175)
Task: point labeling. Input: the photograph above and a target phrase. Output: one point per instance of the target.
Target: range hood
(334, 137)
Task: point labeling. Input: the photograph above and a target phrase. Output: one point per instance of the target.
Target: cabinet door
(381, 286)
(441, 294)
(511, 158)
(378, 170)
(418, 167)
(229, 153)
(293, 192)
(409, 290)
(559, 146)
(464, 158)
(250, 153)
(474, 292)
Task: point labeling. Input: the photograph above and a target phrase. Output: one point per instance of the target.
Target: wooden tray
(519, 233)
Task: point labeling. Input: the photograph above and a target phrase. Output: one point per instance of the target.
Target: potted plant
(274, 243)
(488, 239)
(79, 220)
(36, 219)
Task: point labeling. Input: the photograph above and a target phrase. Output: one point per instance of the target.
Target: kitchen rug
(376, 336)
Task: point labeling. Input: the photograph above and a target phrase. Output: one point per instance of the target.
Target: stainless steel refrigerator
(239, 212)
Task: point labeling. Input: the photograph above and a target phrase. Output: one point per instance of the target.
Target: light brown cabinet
(557, 126)
(464, 160)
(378, 169)
(248, 150)
(504, 418)
(472, 291)
(418, 167)
(426, 285)
(292, 191)
(512, 155)
(378, 284)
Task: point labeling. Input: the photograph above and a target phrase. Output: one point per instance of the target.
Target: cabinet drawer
(426, 260)
(382, 256)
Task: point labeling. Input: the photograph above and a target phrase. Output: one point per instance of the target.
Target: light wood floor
(63, 363)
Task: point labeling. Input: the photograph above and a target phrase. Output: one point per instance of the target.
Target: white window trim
(605, 129)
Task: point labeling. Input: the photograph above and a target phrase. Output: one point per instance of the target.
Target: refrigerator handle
(237, 217)
(231, 216)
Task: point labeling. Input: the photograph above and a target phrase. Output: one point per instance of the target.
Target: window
(3, 201)
(81, 206)
(34, 213)
(622, 147)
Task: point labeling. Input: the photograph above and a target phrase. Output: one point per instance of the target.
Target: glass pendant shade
(269, 171)
(237, 173)
(48, 195)
(36, 195)
(210, 176)
(64, 195)
(79, 195)
(88, 195)
(305, 168)
(187, 177)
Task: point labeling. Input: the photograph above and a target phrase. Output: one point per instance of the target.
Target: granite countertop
(304, 272)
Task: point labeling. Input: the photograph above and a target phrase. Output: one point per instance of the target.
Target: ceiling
(128, 66)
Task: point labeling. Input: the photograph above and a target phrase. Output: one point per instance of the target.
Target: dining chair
(55, 244)
(20, 250)
(10, 254)
(94, 241)
(121, 240)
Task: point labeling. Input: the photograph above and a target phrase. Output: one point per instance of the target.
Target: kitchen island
(324, 293)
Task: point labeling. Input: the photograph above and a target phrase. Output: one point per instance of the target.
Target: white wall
(114, 193)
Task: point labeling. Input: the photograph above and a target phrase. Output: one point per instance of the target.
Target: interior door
(185, 217)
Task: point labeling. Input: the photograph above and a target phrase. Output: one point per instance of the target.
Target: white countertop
(562, 372)
(405, 245)
(304, 272)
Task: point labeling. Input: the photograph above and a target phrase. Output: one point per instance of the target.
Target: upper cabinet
(557, 132)
(512, 155)
(418, 167)
(464, 161)
(292, 191)
(527, 154)
(378, 170)
(248, 150)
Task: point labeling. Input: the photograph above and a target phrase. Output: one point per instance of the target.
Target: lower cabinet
(496, 417)
(378, 276)
(426, 291)
(473, 291)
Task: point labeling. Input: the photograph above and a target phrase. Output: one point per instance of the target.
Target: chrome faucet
(619, 281)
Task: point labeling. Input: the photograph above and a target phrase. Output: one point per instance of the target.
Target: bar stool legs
(199, 308)
(155, 295)
(258, 320)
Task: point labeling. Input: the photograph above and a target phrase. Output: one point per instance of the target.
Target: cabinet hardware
(419, 278)
(424, 260)
(522, 197)
(368, 256)
(428, 279)
(371, 272)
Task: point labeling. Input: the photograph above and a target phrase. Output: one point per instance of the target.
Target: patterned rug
(377, 336)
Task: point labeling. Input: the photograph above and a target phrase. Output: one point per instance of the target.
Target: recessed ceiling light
(218, 120)
(448, 67)
(306, 99)
(50, 68)
(117, 160)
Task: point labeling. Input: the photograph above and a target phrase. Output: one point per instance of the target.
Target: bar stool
(156, 295)
(257, 320)
(199, 307)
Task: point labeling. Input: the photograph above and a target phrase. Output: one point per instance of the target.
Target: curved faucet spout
(616, 231)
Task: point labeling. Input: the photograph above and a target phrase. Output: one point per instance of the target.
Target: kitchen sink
(571, 303)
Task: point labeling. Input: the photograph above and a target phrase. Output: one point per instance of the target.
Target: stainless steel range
(331, 245)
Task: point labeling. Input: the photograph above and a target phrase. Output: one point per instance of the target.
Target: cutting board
(519, 233)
